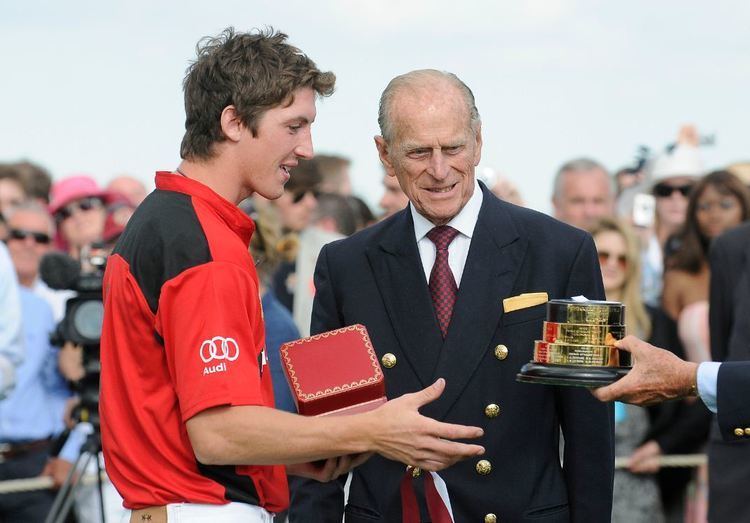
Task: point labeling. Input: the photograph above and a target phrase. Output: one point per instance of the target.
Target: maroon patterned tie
(442, 284)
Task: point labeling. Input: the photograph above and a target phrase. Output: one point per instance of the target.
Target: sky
(95, 87)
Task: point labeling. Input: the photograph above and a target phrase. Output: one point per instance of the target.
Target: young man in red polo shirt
(188, 428)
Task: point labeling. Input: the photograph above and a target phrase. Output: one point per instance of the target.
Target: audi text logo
(219, 348)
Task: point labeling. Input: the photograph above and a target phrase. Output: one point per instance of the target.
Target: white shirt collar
(464, 222)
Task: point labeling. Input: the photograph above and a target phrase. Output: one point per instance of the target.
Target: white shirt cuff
(708, 374)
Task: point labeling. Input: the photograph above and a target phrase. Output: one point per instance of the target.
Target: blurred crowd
(652, 222)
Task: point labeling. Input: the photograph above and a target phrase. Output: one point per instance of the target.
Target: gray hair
(578, 165)
(31, 206)
(412, 80)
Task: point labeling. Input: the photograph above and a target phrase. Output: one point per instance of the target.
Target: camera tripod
(66, 495)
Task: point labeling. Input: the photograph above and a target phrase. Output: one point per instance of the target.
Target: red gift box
(334, 372)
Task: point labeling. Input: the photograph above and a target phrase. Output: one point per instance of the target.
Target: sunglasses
(21, 234)
(84, 204)
(663, 190)
(298, 196)
(604, 257)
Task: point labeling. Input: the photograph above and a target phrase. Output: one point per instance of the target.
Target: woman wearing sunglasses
(672, 178)
(719, 201)
(78, 206)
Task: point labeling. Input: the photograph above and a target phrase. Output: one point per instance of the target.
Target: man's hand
(70, 405)
(401, 433)
(70, 361)
(58, 469)
(657, 375)
(329, 469)
(645, 459)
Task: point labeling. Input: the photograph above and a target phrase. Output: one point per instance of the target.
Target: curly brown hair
(253, 71)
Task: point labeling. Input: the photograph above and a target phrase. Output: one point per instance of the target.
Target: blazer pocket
(355, 514)
(550, 514)
(536, 312)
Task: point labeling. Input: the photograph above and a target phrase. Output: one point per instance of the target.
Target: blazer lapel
(492, 265)
(400, 278)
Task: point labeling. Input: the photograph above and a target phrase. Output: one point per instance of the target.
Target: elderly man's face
(584, 198)
(433, 151)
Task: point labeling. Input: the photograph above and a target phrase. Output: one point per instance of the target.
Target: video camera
(84, 314)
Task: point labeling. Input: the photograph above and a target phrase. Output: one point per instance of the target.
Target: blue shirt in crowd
(34, 409)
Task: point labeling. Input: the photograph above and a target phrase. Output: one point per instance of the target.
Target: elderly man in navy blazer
(429, 284)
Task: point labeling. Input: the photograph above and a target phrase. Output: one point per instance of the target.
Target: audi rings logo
(219, 348)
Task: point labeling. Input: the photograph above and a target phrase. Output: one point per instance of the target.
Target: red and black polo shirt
(183, 332)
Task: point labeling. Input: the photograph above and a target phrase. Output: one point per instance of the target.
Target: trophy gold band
(577, 345)
(577, 334)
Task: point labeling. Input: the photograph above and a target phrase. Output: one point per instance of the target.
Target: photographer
(31, 416)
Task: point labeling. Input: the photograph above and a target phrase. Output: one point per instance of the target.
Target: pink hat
(74, 188)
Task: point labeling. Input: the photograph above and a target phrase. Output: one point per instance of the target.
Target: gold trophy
(577, 345)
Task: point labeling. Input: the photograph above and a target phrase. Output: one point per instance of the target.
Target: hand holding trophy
(577, 345)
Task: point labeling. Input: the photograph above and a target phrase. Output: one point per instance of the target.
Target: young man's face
(283, 138)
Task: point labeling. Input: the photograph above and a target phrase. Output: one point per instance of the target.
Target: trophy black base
(570, 375)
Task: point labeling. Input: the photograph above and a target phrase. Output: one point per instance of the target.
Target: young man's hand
(400, 433)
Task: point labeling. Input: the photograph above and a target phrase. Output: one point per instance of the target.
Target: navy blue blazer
(728, 457)
(730, 328)
(376, 278)
(733, 400)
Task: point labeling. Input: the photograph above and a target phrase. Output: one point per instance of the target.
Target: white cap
(684, 160)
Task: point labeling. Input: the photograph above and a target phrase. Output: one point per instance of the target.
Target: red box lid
(333, 371)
